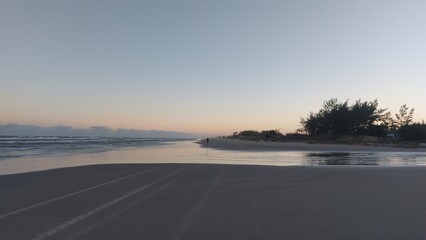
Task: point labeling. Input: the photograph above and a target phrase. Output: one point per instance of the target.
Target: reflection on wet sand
(190, 152)
(338, 158)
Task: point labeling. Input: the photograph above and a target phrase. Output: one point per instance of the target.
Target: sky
(206, 67)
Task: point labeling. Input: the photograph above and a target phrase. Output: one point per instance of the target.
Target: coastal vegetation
(361, 122)
(252, 134)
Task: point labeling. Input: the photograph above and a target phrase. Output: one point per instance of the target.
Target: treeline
(413, 132)
(272, 135)
(362, 119)
(268, 135)
(340, 120)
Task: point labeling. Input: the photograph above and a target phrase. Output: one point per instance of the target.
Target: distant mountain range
(13, 129)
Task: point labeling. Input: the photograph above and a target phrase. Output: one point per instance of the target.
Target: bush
(255, 135)
(414, 132)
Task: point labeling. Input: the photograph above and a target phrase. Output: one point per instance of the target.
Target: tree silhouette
(404, 117)
(338, 118)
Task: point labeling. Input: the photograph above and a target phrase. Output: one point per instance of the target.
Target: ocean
(16, 147)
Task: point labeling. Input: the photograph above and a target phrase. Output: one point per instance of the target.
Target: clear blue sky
(209, 67)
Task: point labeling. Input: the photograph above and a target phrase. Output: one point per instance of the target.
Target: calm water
(42, 153)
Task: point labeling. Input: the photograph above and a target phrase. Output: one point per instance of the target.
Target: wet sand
(190, 201)
(241, 145)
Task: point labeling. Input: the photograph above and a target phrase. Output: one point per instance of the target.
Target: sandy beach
(242, 145)
(193, 201)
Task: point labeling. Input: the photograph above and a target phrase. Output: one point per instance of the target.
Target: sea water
(33, 154)
(16, 147)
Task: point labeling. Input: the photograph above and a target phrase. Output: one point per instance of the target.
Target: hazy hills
(96, 131)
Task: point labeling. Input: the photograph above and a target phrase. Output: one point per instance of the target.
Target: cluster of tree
(362, 118)
(413, 132)
(255, 135)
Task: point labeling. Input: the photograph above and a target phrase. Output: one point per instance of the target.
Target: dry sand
(236, 144)
(210, 202)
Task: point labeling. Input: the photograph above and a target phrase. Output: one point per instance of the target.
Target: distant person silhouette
(207, 140)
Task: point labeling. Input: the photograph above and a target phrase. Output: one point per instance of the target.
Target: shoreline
(240, 153)
(245, 145)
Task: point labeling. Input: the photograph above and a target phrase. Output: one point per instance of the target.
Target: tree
(256, 135)
(331, 119)
(367, 118)
(362, 118)
(413, 132)
(404, 117)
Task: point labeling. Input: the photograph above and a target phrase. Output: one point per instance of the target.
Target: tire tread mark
(100, 208)
(70, 194)
(178, 233)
